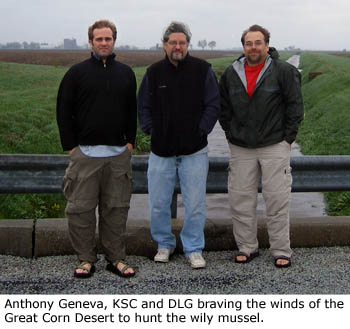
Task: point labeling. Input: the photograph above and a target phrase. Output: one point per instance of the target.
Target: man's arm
(132, 113)
(65, 112)
(226, 113)
(144, 107)
(211, 104)
(293, 100)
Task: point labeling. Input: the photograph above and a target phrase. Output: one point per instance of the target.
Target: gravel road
(314, 271)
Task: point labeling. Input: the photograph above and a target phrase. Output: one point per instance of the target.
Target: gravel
(313, 271)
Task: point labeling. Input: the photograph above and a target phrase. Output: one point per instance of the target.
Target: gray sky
(306, 24)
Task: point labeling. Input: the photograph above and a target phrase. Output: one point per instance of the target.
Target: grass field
(28, 126)
(326, 128)
(28, 122)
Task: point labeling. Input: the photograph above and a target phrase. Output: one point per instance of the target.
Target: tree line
(203, 43)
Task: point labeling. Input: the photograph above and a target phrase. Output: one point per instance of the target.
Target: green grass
(28, 122)
(28, 126)
(326, 127)
(27, 110)
(219, 65)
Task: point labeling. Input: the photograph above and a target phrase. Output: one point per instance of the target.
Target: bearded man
(178, 105)
(262, 108)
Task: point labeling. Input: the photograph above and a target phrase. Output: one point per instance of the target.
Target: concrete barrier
(16, 237)
(49, 237)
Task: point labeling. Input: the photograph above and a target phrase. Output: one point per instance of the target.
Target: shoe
(277, 258)
(196, 259)
(163, 255)
(248, 258)
(112, 267)
(87, 267)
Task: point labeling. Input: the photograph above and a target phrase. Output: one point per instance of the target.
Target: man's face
(255, 49)
(102, 43)
(176, 47)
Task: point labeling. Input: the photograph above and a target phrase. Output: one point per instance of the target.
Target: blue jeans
(192, 171)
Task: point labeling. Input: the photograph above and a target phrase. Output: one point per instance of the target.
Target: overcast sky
(306, 24)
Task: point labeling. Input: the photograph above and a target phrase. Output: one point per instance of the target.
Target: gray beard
(176, 59)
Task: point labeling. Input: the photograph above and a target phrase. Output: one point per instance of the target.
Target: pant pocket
(68, 185)
(288, 177)
(122, 188)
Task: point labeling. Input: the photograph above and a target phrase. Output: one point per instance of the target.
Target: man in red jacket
(261, 109)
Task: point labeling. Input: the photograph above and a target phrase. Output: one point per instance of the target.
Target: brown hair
(257, 28)
(101, 24)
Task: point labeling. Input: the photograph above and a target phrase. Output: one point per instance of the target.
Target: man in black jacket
(262, 108)
(178, 106)
(96, 116)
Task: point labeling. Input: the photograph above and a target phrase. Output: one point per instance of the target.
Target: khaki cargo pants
(272, 164)
(104, 182)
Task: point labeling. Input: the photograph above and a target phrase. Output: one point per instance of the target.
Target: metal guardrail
(21, 173)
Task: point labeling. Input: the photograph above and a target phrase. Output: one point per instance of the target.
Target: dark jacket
(96, 104)
(176, 107)
(274, 111)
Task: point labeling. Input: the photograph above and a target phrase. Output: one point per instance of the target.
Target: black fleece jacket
(176, 106)
(96, 104)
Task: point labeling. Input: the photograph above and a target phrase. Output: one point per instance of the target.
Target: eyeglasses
(175, 43)
(257, 43)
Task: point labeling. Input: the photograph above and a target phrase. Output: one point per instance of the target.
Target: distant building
(70, 44)
(156, 47)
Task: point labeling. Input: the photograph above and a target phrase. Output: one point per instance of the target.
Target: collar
(98, 58)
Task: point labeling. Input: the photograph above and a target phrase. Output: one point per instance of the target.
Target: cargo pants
(104, 182)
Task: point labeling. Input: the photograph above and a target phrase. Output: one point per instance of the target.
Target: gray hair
(177, 27)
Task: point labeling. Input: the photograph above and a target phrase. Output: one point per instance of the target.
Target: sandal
(112, 267)
(83, 266)
(248, 258)
(277, 258)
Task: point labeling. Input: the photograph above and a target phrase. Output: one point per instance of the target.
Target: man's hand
(72, 150)
(129, 146)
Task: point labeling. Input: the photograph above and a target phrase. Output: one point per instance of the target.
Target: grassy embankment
(28, 124)
(326, 128)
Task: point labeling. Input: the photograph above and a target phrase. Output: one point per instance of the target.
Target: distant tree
(25, 45)
(202, 43)
(13, 45)
(34, 45)
(212, 44)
